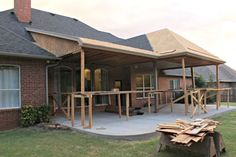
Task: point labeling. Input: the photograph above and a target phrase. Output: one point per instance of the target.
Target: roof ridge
(174, 35)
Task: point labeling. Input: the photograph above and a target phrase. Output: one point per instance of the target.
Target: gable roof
(12, 44)
(226, 74)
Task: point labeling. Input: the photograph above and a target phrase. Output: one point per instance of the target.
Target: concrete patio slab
(110, 124)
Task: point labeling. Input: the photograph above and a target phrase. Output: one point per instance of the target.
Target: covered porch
(103, 74)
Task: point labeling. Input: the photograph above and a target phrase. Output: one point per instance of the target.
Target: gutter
(28, 56)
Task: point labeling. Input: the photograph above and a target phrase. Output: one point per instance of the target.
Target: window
(87, 80)
(144, 82)
(175, 84)
(9, 87)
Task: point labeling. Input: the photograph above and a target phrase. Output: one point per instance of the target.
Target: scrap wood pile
(186, 133)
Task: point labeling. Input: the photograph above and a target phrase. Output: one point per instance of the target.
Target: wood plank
(197, 129)
(174, 131)
(182, 138)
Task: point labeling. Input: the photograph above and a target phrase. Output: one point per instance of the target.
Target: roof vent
(75, 19)
(52, 14)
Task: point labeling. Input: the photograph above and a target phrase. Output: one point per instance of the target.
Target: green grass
(33, 142)
(230, 103)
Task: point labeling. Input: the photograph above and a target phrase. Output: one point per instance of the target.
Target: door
(62, 83)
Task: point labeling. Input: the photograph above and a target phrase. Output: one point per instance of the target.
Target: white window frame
(143, 89)
(174, 83)
(18, 66)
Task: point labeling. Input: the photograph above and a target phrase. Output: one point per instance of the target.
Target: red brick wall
(33, 88)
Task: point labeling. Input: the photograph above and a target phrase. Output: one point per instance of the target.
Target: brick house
(45, 55)
(227, 77)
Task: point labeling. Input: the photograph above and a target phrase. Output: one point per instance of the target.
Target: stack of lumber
(186, 133)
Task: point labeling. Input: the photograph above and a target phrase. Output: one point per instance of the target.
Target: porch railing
(198, 101)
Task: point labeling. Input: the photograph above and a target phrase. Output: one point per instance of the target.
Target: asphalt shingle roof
(53, 23)
(226, 74)
(11, 43)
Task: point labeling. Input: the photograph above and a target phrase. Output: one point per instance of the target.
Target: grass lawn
(230, 103)
(34, 142)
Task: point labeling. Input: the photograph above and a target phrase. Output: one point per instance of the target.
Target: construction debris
(185, 133)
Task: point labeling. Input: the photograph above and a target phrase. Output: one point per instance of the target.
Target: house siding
(33, 87)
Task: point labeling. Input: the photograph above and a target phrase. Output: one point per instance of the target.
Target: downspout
(47, 67)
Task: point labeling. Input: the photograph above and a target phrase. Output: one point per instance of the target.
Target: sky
(209, 23)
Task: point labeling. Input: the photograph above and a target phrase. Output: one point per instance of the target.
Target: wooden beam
(185, 87)
(72, 110)
(119, 104)
(217, 86)
(127, 106)
(90, 111)
(82, 89)
(193, 78)
(155, 72)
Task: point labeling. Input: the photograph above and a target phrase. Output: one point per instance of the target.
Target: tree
(200, 82)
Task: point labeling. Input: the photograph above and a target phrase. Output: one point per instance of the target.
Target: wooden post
(199, 100)
(184, 87)
(149, 103)
(90, 111)
(171, 101)
(82, 66)
(54, 105)
(72, 110)
(109, 99)
(166, 96)
(191, 94)
(217, 86)
(228, 98)
(68, 107)
(127, 106)
(193, 78)
(155, 71)
(119, 105)
(205, 100)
